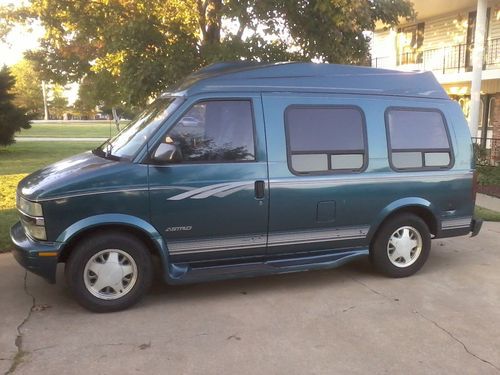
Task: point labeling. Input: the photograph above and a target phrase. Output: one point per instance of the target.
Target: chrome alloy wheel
(404, 246)
(110, 274)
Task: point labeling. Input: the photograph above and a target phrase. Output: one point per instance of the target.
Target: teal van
(255, 169)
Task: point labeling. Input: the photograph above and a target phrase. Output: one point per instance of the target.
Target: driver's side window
(217, 130)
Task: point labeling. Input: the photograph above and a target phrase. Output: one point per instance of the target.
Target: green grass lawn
(27, 157)
(487, 215)
(7, 219)
(71, 130)
(23, 158)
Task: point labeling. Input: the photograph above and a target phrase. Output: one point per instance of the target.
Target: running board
(182, 273)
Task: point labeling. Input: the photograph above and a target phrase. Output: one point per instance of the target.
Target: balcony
(445, 60)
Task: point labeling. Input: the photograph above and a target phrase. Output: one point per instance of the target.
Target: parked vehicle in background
(255, 169)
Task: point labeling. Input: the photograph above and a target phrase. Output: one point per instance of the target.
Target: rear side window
(418, 139)
(325, 139)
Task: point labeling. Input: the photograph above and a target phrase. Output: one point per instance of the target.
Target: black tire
(91, 246)
(379, 253)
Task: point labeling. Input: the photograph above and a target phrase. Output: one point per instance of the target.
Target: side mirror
(167, 153)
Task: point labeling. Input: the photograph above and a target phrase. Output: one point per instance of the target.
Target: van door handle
(260, 188)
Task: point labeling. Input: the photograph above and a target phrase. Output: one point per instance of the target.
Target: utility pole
(45, 106)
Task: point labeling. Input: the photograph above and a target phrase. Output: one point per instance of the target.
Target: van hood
(84, 173)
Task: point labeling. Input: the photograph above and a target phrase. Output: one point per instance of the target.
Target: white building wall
(384, 48)
(446, 30)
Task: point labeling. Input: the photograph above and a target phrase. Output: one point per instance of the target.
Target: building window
(471, 34)
(418, 139)
(325, 139)
(409, 44)
(218, 130)
(491, 107)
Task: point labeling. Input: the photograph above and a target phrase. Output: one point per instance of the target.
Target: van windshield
(126, 144)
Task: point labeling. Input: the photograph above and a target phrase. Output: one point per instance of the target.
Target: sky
(18, 41)
(22, 39)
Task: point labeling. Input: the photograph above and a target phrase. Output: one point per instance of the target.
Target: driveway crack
(456, 339)
(374, 291)
(18, 358)
(451, 335)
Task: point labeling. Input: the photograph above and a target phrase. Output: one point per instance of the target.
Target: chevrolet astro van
(255, 169)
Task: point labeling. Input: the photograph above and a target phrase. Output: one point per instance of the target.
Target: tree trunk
(213, 22)
(116, 118)
(45, 106)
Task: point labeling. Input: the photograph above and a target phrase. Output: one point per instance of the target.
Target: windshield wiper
(105, 154)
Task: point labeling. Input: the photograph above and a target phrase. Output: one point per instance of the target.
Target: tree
(100, 90)
(58, 103)
(28, 87)
(141, 47)
(12, 118)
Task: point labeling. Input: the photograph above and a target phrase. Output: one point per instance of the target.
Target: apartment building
(441, 40)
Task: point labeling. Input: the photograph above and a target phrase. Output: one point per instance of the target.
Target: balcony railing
(450, 59)
(487, 150)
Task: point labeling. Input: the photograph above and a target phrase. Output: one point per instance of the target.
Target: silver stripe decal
(190, 193)
(217, 244)
(230, 191)
(315, 235)
(208, 191)
(259, 240)
(222, 189)
(90, 193)
(368, 178)
(171, 187)
(457, 227)
(456, 223)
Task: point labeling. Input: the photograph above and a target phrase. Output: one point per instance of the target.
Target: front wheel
(109, 271)
(401, 246)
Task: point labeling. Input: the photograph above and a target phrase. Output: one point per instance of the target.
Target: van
(255, 169)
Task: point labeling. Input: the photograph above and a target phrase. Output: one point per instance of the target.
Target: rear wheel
(401, 246)
(109, 271)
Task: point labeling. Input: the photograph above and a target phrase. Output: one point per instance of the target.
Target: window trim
(181, 116)
(423, 151)
(327, 152)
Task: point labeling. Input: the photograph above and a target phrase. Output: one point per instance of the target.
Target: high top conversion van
(255, 169)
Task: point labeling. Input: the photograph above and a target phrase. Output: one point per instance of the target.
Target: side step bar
(183, 274)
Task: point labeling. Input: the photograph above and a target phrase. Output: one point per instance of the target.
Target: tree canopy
(138, 48)
(28, 87)
(12, 118)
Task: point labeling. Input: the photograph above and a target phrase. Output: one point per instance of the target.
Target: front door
(211, 201)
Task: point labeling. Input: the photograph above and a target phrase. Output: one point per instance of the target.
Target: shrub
(12, 118)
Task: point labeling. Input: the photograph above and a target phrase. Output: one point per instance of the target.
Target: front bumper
(37, 257)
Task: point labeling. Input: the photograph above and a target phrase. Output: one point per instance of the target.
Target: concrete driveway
(445, 319)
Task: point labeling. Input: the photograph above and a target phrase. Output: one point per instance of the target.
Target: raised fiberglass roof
(310, 77)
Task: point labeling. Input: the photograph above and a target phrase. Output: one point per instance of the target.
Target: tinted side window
(325, 139)
(219, 130)
(418, 139)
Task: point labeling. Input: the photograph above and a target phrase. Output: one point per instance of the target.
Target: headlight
(31, 215)
(29, 208)
(35, 231)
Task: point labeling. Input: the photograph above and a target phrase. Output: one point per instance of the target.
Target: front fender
(118, 219)
(400, 204)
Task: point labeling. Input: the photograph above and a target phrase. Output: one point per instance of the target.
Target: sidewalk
(55, 139)
(489, 202)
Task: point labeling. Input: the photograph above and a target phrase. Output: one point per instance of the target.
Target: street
(444, 319)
